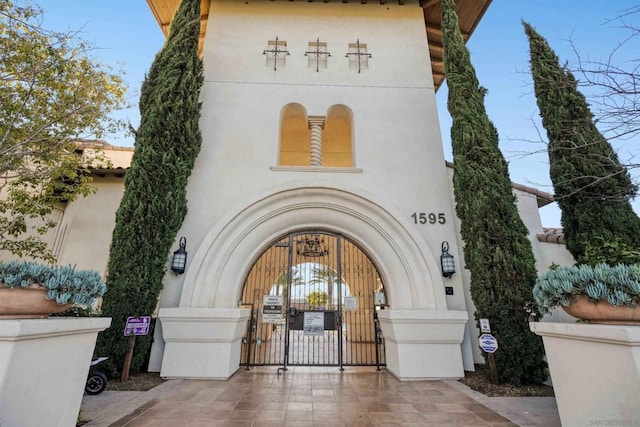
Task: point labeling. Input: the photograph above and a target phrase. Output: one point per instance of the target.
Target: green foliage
(591, 186)
(154, 202)
(325, 275)
(51, 93)
(64, 284)
(282, 281)
(317, 298)
(497, 251)
(619, 285)
(601, 251)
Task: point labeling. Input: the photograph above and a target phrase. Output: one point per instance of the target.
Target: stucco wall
(546, 253)
(397, 145)
(87, 226)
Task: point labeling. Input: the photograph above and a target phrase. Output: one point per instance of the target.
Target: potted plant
(29, 289)
(608, 298)
(56, 348)
(598, 294)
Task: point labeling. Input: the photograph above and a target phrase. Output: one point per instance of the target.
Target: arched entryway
(203, 335)
(314, 298)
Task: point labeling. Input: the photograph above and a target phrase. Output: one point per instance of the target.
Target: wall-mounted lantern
(179, 260)
(446, 261)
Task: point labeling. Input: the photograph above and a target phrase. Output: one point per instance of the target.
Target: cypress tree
(154, 203)
(591, 186)
(497, 251)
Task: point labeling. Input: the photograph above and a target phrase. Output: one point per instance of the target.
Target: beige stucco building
(321, 149)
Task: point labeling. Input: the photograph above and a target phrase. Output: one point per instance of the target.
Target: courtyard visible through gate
(329, 293)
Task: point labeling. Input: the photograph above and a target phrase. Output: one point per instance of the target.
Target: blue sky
(127, 37)
(499, 53)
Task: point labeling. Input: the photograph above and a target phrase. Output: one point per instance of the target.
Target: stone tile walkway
(305, 396)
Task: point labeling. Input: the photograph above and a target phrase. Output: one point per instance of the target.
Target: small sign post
(489, 344)
(134, 326)
(484, 326)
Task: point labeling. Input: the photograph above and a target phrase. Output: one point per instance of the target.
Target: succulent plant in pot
(598, 294)
(29, 289)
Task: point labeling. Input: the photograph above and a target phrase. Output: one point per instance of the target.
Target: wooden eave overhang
(104, 172)
(469, 12)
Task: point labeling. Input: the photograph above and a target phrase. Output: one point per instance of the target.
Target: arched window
(319, 141)
(337, 141)
(295, 136)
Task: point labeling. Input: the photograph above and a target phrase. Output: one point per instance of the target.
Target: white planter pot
(43, 369)
(202, 342)
(423, 344)
(595, 371)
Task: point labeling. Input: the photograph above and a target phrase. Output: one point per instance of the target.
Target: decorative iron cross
(275, 52)
(319, 53)
(359, 52)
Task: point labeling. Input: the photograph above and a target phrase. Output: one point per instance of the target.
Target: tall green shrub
(591, 186)
(497, 252)
(154, 202)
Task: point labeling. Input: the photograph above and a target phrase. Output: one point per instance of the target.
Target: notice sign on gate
(272, 309)
(313, 323)
(350, 303)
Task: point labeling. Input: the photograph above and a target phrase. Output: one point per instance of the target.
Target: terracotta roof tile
(551, 235)
(542, 197)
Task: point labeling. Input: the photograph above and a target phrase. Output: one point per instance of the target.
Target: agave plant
(618, 285)
(64, 284)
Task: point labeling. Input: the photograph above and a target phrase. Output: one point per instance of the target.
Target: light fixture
(446, 261)
(179, 260)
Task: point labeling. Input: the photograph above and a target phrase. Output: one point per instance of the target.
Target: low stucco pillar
(202, 342)
(43, 369)
(423, 344)
(595, 371)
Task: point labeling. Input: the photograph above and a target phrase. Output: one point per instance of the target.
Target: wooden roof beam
(166, 25)
(433, 29)
(400, 2)
(435, 46)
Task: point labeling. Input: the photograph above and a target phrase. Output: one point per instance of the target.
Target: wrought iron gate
(330, 294)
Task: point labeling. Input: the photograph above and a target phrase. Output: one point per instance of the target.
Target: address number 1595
(428, 218)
